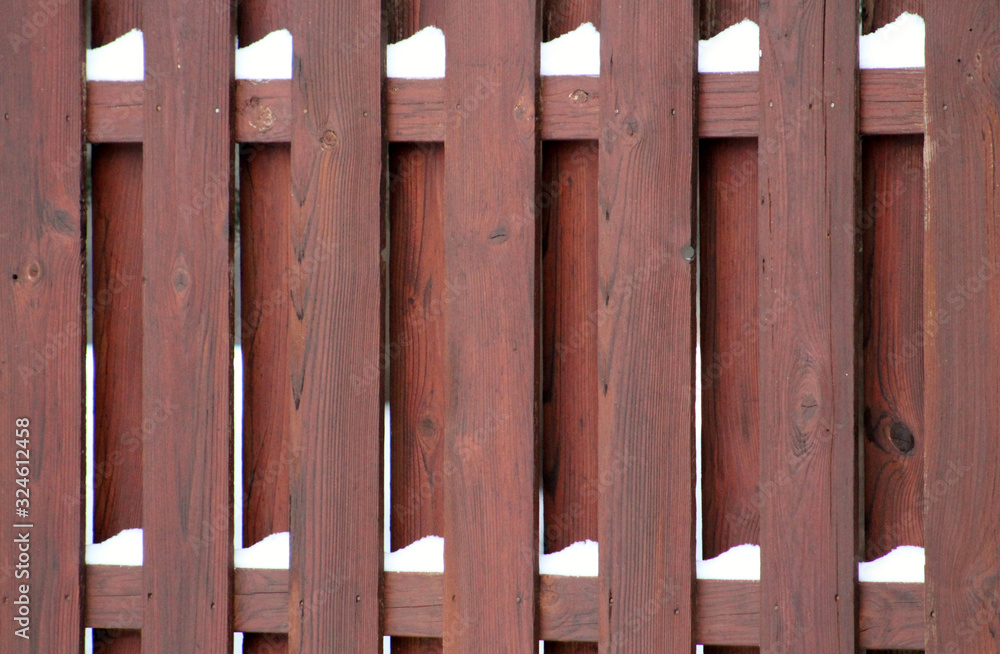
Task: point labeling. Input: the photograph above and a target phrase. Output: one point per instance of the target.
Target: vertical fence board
(265, 179)
(41, 310)
(646, 327)
(729, 315)
(568, 206)
(808, 399)
(491, 170)
(418, 293)
(568, 203)
(730, 441)
(265, 207)
(187, 320)
(116, 173)
(893, 250)
(961, 314)
(717, 15)
(335, 326)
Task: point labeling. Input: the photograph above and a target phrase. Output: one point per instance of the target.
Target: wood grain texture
(891, 103)
(116, 171)
(961, 314)
(187, 328)
(726, 612)
(335, 326)
(730, 442)
(418, 295)
(807, 382)
(491, 551)
(646, 328)
(116, 197)
(893, 250)
(568, 204)
(491, 539)
(265, 212)
(730, 466)
(717, 15)
(265, 205)
(567, 199)
(41, 314)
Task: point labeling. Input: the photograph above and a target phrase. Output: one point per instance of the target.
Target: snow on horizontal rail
(899, 44)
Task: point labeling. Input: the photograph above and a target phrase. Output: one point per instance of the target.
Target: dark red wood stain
(418, 297)
(116, 171)
(808, 386)
(567, 200)
(265, 211)
(961, 314)
(490, 496)
(41, 313)
(265, 207)
(646, 327)
(335, 327)
(187, 328)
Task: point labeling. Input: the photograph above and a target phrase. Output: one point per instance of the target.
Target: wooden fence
(514, 264)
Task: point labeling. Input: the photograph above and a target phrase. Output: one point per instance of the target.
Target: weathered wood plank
(567, 199)
(491, 539)
(891, 103)
(646, 330)
(726, 612)
(187, 328)
(891, 225)
(961, 315)
(41, 313)
(807, 383)
(335, 326)
(116, 197)
(265, 211)
(418, 292)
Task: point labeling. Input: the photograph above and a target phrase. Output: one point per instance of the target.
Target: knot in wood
(329, 140)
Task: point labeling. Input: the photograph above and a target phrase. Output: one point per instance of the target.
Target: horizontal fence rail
(892, 102)
(558, 289)
(726, 612)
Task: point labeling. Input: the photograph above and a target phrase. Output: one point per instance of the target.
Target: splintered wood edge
(726, 612)
(891, 102)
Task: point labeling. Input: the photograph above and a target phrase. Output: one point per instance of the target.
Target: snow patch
(903, 564)
(577, 560)
(900, 44)
(424, 555)
(271, 552)
(740, 562)
(735, 49)
(422, 56)
(122, 60)
(124, 548)
(268, 58)
(574, 53)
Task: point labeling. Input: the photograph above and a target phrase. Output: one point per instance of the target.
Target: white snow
(424, 555)
(124, 548)
(740, 562)
(578, 560)
(268, 58)
(122, 60)
(904, 563)
(419, 57)
(271, 552)
(735, 49)
(574, 53)
(900, 44)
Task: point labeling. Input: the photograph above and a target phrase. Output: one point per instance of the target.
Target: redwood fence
(522, 267)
